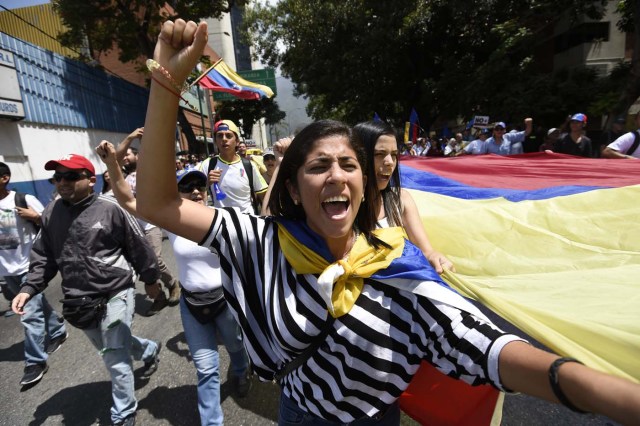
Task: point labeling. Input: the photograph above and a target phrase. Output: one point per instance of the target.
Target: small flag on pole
(222, 78)
(411, 127)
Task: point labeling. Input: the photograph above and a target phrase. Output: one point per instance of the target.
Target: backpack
(248, 168)
(21, 201)
(635, 144)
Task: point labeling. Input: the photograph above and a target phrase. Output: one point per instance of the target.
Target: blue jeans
(203, 345)
(39, 321)
(292, 415)
(117, 345)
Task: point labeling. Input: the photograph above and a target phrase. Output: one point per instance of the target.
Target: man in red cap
(96, 246)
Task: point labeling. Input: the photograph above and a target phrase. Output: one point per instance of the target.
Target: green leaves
(446, 58)
(97, 26)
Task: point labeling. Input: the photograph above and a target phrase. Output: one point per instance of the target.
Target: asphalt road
(76, 390)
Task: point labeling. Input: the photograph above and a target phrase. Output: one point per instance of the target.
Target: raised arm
(124, 145)
(107, 153)
(279, 148)
(528, 126)
(418, 236)
(178, 49)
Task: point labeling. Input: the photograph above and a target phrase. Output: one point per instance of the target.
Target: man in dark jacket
(96, 246)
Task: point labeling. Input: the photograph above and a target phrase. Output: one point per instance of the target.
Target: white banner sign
(10, 95)
(481, 120)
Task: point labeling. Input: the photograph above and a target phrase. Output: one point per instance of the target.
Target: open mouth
(336, 207)
(384, 176)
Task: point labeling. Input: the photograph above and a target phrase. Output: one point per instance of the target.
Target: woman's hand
(440, 262)
(179, 47)
(107, 153)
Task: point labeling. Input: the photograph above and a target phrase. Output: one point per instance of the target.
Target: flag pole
(204, 131)
(212, 111)
(201, 76)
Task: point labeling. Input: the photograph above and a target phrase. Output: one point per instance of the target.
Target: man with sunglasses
(502, 143)
(97, 247)
(40, 321)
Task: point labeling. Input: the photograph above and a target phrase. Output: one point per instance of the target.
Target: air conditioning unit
(602, 70)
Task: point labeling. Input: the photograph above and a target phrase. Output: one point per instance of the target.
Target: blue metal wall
(60, 91)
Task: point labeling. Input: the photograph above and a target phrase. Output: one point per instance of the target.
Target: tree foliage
(446, 58)
(248, 112)
(132, 26)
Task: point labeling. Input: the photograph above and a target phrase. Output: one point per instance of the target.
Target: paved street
(76, 390)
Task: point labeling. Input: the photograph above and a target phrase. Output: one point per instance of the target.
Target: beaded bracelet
(178, 95)
(555, 386)
(153, 66)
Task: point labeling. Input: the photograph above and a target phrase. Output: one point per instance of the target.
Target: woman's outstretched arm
(178, 50)
(525, 369)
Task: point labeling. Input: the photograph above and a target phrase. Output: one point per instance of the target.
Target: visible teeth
(336, 199)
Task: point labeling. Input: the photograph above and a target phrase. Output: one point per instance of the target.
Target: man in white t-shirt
(231, 174)
(17, 233)
(477, 146)
(623, 147)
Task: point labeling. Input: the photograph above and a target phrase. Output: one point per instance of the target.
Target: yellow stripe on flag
(565, 270)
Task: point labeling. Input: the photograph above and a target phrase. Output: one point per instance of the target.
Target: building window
(587, 32)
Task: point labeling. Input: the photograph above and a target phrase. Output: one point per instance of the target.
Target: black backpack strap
(634, 146)
(212, 165)
(21, 200)
(248, 168)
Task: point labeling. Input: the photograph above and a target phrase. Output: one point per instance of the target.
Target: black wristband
(153, 283)
(555, 386)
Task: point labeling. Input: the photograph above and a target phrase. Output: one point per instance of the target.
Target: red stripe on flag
(530, 171)
(435, 399)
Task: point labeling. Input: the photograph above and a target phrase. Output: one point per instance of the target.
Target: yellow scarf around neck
(362, 261)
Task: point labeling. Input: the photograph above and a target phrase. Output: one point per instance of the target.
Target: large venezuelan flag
(550, 242)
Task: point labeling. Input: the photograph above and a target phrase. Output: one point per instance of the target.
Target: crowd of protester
(571, 137)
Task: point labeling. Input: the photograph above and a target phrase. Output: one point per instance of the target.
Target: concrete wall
(26, 147)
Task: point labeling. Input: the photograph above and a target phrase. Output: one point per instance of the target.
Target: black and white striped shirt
(370, 354)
